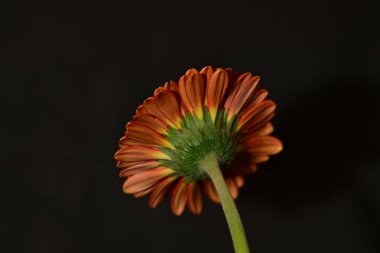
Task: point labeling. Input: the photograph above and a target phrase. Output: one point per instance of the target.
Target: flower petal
(216, 88)
(239, 181)
(149, 121)
(208, 71)
(139, 153)
(210, 191)
(141, 110)
(263, 145)
(144, 180)
(160, 191)
(146, 135)
(192, 91)
(234, 190)
(130, 169)
(194, 200)
(167, 103)
(257, 115)
(245, 85)
(171, 86)
(179, 197)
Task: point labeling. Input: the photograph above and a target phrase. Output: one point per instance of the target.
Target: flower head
(209, 111)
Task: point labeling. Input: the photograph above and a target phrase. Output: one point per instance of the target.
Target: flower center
(198, 138)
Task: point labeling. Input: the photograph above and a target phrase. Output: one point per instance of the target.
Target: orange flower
(218, 111)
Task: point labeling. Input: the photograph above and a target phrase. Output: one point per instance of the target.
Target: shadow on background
(329, 136)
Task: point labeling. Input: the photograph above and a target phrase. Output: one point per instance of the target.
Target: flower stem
(210, 165)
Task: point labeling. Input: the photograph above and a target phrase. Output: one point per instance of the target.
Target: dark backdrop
(72, 74)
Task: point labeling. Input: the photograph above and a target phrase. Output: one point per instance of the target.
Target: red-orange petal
(130, 169)
(266, 129)
(168, 104)
(179, 197)
(234, 190)
(160, 191)
(194, 199)
(239, 181)
(139, 153)
(146, 135)
(210, 191)
(208, 71)
(145, 180)
(256, 116)
(149, 121)
(216, 88)
(192, 91)
(263, 145)
(141, 110)
(245, 85)
(171, 86)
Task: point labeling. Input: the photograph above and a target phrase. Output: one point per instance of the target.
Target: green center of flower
(198, 138)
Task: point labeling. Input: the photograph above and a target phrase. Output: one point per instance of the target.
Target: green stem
(210, 164)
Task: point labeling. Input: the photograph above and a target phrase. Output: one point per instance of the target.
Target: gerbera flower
(211, 118)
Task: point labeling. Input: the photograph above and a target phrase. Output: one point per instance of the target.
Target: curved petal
(192, 91)
(241, 93)
(179, 197)
(160, 191)
(263, 145)
(210, 191)
(139, 153)
(171, 85)
(234, 190)
(208, 71)
(168, 104)
(194, 199)
(149, 121)
(141, 110)
(146, 135)
(239, 181)
(129, 169)
(216, 88)
(145, 180)
(257, 115)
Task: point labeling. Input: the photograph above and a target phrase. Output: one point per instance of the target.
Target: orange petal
(208, 71)
(192, 91)
(179, 197)
(158, 90)
(194, 201)
(239, 181)
(245, 85)
(141, 110)
(263, 145)
(160, 191)
(167, 103)
(139, 153)
(146, 135)
(216, 88)
(257, 115)
(143, 193)
(267, 129)
(151, 108)
(130, 169)
(210, 191)
(260, 159)
(149, 121)
(171, 86)
(145, 180)
(234, 190)
(258, 96)
(191, 71)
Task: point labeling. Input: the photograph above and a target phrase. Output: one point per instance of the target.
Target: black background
(73, 73)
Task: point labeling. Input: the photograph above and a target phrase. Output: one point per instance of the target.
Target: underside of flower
(217, 112)
(197, 138)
